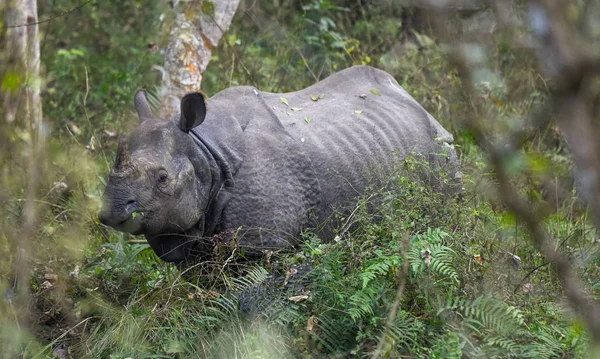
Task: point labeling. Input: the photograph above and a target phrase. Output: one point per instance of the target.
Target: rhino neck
(223, 165)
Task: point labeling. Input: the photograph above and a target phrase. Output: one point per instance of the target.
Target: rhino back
(364, 123)
(274, 187)
(290, 174)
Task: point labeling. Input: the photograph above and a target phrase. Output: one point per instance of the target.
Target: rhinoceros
(264, 165)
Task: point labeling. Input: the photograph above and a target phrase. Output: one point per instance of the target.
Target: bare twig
(306, 64)
(578, 298)
(402, 275)
(567, 73)
(51, 18)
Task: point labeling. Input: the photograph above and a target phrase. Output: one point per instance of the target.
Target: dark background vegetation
(475, 285)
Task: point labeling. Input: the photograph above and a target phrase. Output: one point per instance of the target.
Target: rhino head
(160, 185)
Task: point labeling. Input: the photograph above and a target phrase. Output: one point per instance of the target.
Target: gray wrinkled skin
(251, 165)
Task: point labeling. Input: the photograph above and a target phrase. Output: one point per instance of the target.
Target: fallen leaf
(358, 112)
(321, 96)
(74, 129)
(310, 323)
(478, 258)
(298, 298)
(307, 119)
(61, 351)
(314, 97)
(290, 273)
(268, 254)
(91, 146)
(426, 255)
(375, 92)
(59, 187)
(75, 272)
(284, 100)
(296, 109)
(203, 294)
(51, 277)
(110, 134)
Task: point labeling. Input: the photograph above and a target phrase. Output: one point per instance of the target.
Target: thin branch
(580, 301)
(518, 286)
(306, 64)
(402, 275)
(52, 18)
(567, 73)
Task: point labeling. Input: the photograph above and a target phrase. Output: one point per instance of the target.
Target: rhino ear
(142, 106)
(193, 111)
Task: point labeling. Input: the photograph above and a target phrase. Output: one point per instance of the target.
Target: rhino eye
(162, 177)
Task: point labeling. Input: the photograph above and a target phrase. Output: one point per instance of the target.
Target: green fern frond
(381, 268)
(253, 277)
(361, 303)
(336, 335)
(428, 253)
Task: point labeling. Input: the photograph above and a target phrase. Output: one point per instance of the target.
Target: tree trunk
(23, 108)
(195, 33)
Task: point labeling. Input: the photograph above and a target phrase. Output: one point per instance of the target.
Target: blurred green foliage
(101, 53)
(485, 291)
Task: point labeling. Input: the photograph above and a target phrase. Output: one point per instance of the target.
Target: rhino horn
(142, 106)
(123, 160)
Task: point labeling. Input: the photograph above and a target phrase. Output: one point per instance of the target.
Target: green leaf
(358, 112)
(296, 109)
(314, 97)
(284, 100)
(307, 119)
(78, 52)
(375, 92)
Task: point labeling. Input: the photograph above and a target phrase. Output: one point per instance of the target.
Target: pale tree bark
(195, 33)
(22, 106)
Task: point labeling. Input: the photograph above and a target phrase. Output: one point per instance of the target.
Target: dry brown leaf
(50, 277)
(479, 258)
(298, 298)
(426, 255)
(310, 323)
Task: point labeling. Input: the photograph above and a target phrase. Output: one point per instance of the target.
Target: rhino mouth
(130, 223)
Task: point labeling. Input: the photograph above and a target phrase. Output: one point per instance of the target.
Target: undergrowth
(475, 286)
(331, 299)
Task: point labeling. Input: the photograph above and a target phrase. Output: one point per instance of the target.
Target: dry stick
(518, 286)
(306, 64)
(578, 298)
(572, 64)
(43, 350)
(53, 17)
(402, 275)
